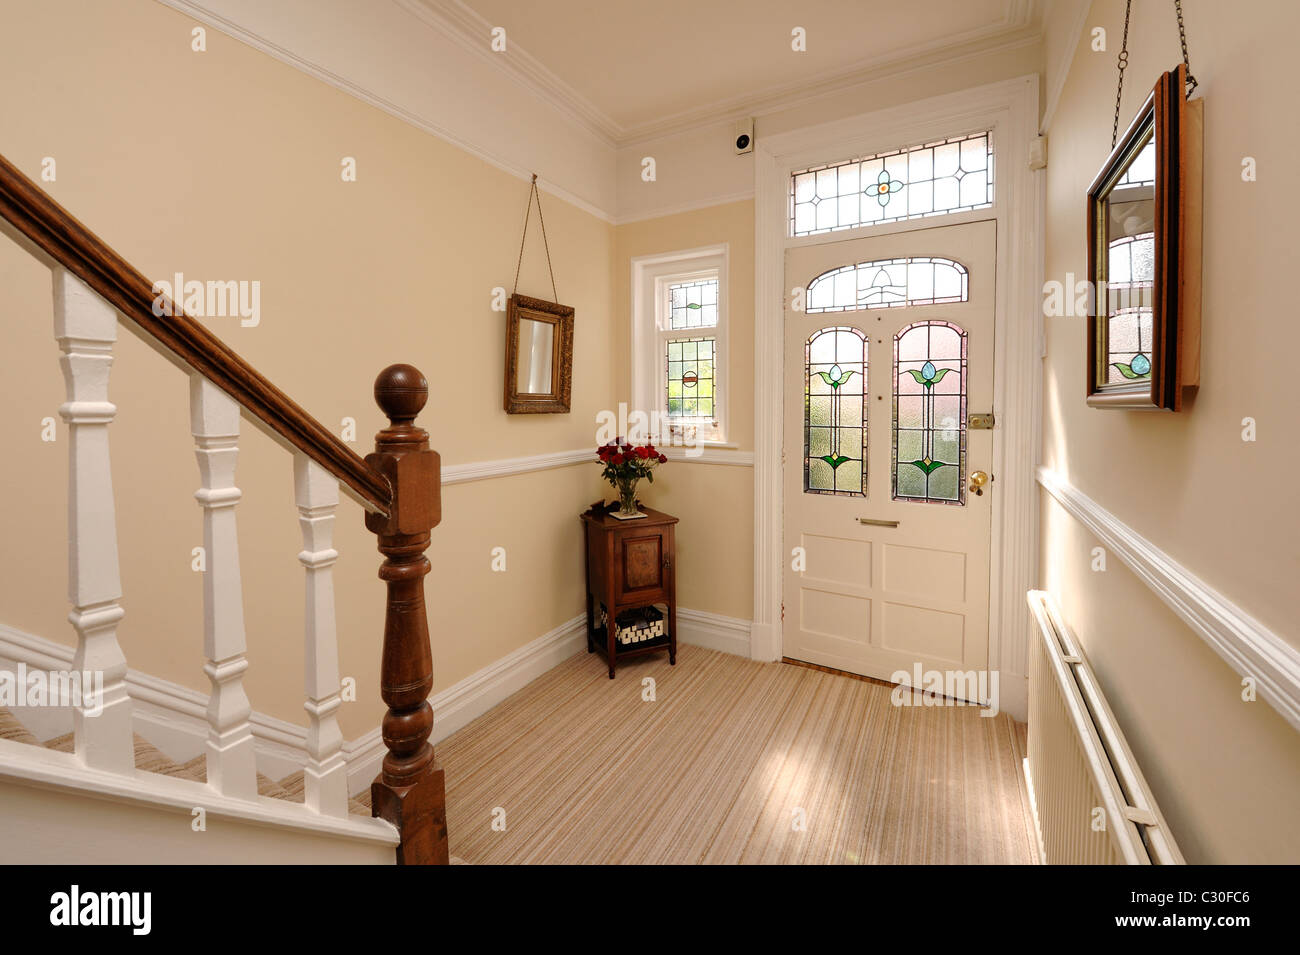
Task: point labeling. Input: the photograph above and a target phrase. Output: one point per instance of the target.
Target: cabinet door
(641, 566)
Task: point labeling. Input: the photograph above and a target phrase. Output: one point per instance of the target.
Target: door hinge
(783, 611)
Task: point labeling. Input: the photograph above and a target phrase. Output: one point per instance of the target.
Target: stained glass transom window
(1129, 289)
(929, 459)
(937, 178)
(690, 377)
(693, 304)
(835, 425)
(889, 283)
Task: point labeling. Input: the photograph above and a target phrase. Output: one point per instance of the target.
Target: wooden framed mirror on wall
(1144, 257)
(539, 356)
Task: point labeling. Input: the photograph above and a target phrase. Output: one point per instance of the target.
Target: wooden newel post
(409, 791)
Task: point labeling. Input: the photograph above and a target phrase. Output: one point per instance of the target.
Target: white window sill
(711, 452)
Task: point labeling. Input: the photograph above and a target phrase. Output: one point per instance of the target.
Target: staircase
(103, 776)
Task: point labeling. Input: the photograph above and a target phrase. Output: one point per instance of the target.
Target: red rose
(663, 459)
(618, 459)
(642, 453)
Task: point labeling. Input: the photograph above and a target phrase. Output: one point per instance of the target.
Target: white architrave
(326, 772)
(214, 421)
(1010, 109)
(86, 328)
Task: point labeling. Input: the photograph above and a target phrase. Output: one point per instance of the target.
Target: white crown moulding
(462, 25)
(459, 22)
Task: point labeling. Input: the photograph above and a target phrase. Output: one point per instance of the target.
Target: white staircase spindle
(86, 328)
(231, 761)
(325, 776)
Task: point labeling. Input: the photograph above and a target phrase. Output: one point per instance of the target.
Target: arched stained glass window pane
(889, 283)
(929, 459)
(835, 426)
(1129, 287)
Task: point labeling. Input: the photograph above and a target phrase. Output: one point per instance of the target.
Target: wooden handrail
(35, 215)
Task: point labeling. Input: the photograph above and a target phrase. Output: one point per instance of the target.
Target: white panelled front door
(888, 545)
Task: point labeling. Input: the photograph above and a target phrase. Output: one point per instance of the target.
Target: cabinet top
(599, 514)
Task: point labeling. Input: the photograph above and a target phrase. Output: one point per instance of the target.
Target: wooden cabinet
(630, 564)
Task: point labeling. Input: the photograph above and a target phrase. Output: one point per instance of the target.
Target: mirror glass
(1128, 217)
(536, 357)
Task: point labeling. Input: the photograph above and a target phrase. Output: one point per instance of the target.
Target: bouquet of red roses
(625, 465)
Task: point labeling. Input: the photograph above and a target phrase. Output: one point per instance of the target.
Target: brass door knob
(977, 482)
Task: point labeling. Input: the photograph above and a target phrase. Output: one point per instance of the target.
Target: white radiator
(1090, 800)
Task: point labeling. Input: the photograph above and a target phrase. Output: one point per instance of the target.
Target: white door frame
(1010, 109)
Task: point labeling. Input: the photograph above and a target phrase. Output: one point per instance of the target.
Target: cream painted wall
(403, 56)
(1227, 773)
(715, 539)
(226, 164)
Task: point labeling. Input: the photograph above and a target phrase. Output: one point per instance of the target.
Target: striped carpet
(724, 765)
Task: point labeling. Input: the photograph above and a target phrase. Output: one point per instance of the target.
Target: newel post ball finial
(401, 392)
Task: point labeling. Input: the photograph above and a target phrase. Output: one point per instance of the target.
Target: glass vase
(627, 496)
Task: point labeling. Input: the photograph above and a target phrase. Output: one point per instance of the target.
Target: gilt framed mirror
(539, 356)
(1144, 257)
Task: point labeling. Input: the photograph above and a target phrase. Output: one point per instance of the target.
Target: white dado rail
(505, 467)
(1245, 644)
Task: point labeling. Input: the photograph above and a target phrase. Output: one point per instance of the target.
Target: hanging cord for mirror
(533, 191)
(1123, 63)
(1119, 88)
(1182, 39)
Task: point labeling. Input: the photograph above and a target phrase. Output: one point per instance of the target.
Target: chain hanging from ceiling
(1123, 62)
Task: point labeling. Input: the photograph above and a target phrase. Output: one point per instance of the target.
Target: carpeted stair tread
(150, 759)
(11, 729)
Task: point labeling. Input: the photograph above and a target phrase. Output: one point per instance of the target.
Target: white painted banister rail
(231, 761)
(325, 776)
(86, 328)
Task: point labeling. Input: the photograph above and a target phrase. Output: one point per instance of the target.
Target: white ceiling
(634, 66)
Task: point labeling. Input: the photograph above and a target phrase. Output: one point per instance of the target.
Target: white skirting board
(713, 631)
(174, 718)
